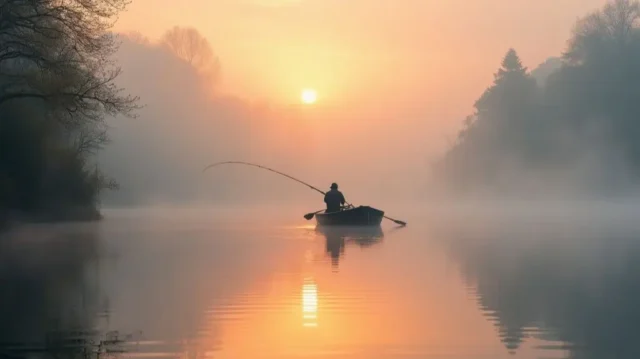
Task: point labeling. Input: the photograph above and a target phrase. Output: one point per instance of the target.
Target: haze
(394, 83)
(504, 133)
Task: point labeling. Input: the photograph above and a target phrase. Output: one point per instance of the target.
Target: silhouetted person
(334, 199)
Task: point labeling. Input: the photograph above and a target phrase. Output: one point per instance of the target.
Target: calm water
(195, 284)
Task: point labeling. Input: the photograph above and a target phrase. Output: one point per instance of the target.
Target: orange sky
(408, 61)
(355, 49)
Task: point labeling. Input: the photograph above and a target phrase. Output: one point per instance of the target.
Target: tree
(604, 53)
(505, 109)
(59, 52)
(581, 128)
(605, 33)
(56, 87)
(512, 86)
(511, 64)
(188, 44)
(499, 131)
(546, 69)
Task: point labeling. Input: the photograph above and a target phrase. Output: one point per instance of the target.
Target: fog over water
(506, 139)
(245, 283)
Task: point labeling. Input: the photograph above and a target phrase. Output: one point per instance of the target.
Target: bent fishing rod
(308, 215)
(264, 168)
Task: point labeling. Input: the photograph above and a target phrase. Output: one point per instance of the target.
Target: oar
(396, 221)
(309, 216)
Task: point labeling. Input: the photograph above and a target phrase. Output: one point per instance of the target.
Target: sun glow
(309, 303)
(309, 96)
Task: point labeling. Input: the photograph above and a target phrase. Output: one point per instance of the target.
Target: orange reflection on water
(310, 303)
(381, 304)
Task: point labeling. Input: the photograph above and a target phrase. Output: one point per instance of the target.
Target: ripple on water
(194, 289)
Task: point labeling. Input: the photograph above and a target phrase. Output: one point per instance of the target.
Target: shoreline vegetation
(11, 219)
(567, 128)
(57, 86)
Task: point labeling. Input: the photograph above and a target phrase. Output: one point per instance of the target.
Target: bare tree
(89, 140)
(610, 29)
(188, 44)
(138, 37)
(59, 51)
(56, 57)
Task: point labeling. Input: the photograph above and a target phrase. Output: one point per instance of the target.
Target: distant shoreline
(12, 219)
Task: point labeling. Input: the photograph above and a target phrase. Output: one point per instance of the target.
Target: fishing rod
(264, 168)
(308, 216)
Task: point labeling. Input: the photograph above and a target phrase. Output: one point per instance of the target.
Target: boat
(353, 216)
(348, 216)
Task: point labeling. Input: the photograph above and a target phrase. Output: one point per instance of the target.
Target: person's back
(334, 199)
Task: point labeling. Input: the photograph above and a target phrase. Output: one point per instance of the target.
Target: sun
(309, 96)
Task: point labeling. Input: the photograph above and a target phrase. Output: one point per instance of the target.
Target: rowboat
(349, 216)
(354, 216)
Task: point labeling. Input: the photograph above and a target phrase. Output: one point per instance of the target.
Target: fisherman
(334, 199)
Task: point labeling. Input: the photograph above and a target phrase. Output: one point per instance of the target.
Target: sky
(394, 79)
(357, 50)
(408, 59)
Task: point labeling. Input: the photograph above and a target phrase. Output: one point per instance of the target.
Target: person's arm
(342, 199)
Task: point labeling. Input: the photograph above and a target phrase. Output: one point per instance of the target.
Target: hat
(334, 185)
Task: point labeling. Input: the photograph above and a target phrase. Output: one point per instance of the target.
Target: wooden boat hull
(358, 216)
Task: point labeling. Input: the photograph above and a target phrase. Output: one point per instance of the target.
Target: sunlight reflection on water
(193, 285)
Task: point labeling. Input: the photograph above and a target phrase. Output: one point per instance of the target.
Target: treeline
(56, 87)
(572, 127)
(154, 157)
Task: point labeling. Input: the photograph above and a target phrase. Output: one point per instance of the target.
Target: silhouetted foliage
(576, 127)
(573, 284)
(190, 46)
(56, 87)
(501, 120)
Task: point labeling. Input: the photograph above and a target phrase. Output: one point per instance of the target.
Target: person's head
(334, 186)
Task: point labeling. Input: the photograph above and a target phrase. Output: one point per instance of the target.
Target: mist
(187, 124)
(565, 129)
(504, 232)
(560, 129)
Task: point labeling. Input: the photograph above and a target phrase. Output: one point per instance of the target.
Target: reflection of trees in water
(337, 238)
(50, 295)
(577, 288)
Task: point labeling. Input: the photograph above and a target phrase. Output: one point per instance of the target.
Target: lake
(190, 283)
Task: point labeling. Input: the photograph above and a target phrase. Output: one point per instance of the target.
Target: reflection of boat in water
(338, 237)
(353, 216)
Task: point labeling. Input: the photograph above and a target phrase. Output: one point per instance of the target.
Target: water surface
(227, 284)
